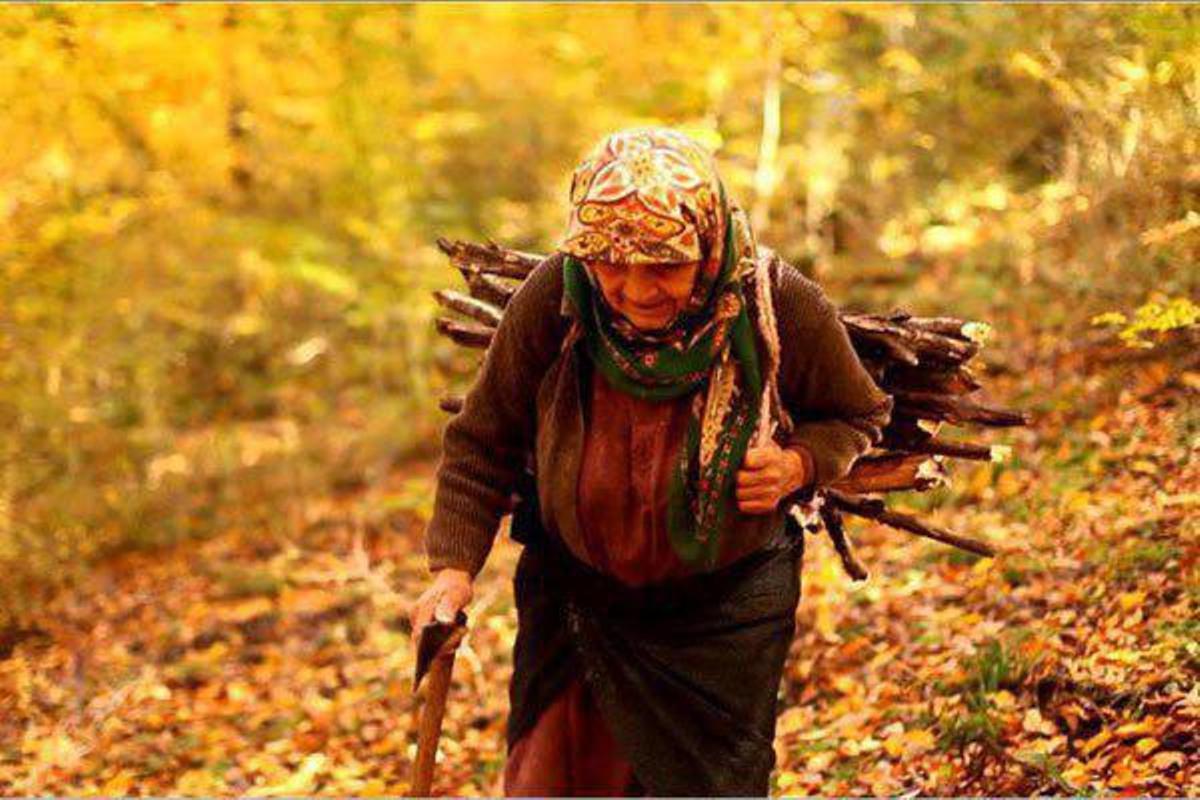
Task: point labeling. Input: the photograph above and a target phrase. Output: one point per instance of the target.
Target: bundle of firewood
(922, 362)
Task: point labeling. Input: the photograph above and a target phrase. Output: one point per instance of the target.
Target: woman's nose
(641, 288)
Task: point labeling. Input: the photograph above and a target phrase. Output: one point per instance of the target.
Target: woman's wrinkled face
(648, 295)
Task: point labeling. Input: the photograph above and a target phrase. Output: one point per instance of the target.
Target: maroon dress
(628, 455)
(623, 482)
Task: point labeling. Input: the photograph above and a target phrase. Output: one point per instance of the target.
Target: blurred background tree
(217, 223)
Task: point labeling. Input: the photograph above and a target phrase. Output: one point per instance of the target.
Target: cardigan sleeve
(838, 410)
(484, 446)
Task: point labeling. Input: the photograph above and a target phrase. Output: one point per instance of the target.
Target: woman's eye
(672, 269)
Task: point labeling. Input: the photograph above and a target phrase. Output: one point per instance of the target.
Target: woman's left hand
(769, 474)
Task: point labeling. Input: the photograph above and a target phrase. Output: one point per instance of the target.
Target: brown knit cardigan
(525, 407)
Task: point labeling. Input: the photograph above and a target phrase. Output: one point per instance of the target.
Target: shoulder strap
(772, 413)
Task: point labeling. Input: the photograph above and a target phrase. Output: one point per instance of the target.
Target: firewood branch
(468, 334)
(482, 312)
(893, 472)
(491, 259)
(871, 508)
(837, 535)
(956, 410)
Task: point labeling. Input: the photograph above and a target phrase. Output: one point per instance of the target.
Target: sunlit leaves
(216, 253)
(1153, 317)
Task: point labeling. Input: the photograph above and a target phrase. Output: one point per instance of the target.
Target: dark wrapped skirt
(685, 671)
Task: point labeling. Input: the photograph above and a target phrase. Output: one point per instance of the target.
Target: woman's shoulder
(544, 283)
(799, 301)
(535, 311)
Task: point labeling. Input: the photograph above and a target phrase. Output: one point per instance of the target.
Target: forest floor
(1067, 665)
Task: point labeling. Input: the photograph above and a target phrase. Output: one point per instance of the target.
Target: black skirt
(685, 671)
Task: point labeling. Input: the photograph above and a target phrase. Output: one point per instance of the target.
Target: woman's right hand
(449, 592)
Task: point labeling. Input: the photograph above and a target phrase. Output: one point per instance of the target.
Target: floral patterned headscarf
(652, 195)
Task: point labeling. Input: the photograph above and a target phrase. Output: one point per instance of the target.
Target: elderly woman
(673, 389)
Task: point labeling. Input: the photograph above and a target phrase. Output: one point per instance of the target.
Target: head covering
(652, 195)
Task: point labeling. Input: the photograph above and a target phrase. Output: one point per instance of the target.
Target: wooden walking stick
(437, 643)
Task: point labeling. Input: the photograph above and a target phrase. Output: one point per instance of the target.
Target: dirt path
(252, 666)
